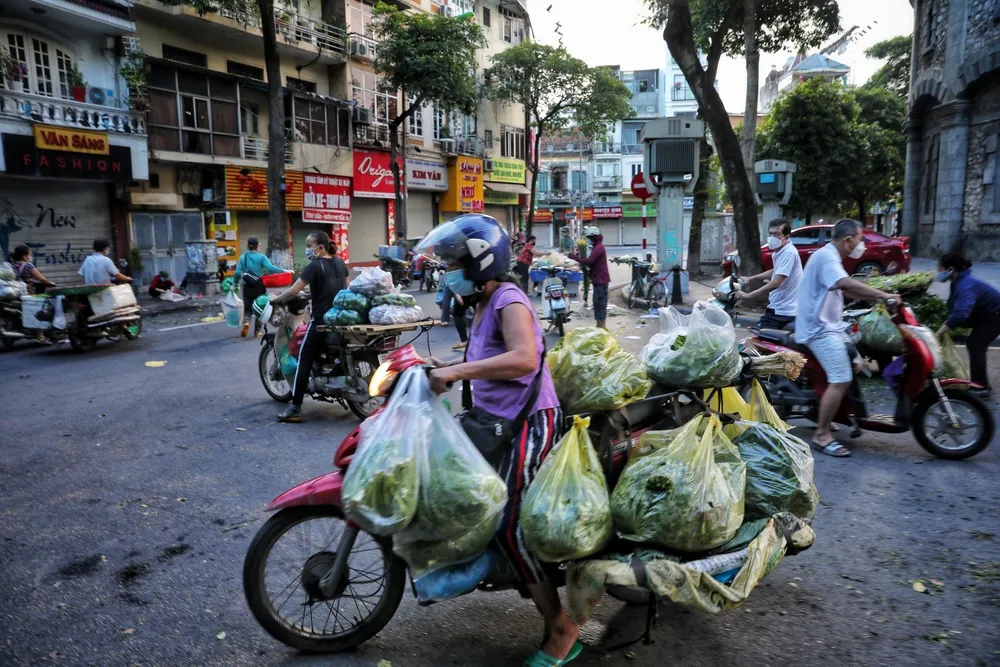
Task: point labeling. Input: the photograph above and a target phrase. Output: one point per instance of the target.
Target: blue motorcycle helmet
(476, 240)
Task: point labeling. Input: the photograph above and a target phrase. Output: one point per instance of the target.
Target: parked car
(883, 254)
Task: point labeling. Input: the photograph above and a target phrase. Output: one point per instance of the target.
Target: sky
(609, 33)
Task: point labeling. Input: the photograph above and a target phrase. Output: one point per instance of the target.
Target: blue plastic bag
(444, 583)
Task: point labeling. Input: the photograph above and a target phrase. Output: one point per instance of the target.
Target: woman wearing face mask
(505, 366)
(326, 274)
(975, 304)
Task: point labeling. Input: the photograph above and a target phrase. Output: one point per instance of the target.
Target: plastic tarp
(591, 372)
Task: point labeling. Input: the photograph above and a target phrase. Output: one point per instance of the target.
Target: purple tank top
(505, 398)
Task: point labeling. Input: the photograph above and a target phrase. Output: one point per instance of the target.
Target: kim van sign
(326, 199)
(372, 175)
(24, 158)
(426, 175)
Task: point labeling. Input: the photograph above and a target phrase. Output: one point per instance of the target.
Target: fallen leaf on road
(633, 338)
(212, 318)
(155, 364)
(939, 584)
(182, 500)
(240, 429)
(128, 631)
(220, 636)
(919, 587)
(384, 663)
(630, 655)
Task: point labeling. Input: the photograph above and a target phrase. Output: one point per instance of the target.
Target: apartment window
(488, 139)
(439, 122)
(300, 85)
(636, 169)
(64, 64)
(193, 113)
(579, 180)
(48, 65)
(486, 16)
(318, 123)
(511, 27)
(512, 142)
(360, 18)
(543, 182)
(250, 119)
(931, 174)
(184, 56)
(463, 125)
(369, 93)
(681, 91)
(246, 71)
(416, 120)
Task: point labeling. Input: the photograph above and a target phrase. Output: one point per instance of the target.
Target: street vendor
(251, 268)
(597, 262)
(504, 364)
(27, 271)
(524, 260)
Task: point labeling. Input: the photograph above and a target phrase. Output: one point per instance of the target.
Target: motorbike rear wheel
(933, 430)
(283, 593)
(363, 369)
(267, 362)
(81, 343)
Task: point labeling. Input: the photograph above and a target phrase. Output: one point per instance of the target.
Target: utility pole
(579, 212)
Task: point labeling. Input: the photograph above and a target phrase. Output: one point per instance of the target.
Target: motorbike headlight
(382, 379)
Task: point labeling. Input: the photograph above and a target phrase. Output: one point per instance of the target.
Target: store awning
(508, 188)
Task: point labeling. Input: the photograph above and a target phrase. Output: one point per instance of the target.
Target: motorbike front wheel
(271, 376)
(559, 322)
(289, 556)
(81, 343)
(933, 428)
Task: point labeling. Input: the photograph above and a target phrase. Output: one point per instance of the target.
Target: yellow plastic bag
(728, 400)
(761, 410)
(952, 363)
(566, 512)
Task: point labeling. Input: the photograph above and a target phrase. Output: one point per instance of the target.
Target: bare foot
(561, 637)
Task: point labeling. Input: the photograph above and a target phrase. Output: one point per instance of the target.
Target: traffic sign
(639, 187)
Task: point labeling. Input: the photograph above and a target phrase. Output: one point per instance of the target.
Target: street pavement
(131, 494)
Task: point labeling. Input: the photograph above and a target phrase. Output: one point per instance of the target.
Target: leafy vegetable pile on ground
(591, 372)
(779, 473)
(566, 512)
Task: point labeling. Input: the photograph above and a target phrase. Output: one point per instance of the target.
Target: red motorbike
(946, 419)
(318, 583)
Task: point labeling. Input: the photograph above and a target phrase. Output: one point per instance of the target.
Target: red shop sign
(607, 212)
(326, 199)
(372, 175)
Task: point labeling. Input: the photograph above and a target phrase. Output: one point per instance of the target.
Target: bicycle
(645, 284)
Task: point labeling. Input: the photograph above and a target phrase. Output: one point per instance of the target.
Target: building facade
(797, 70)
(70, 141)
(952, 198)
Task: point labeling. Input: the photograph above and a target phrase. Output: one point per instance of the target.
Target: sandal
(832, 448)
(542, 659)
(460, 346)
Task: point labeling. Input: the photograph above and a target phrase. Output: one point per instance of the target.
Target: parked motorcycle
(946, 420)
(67, 313)
(430, 273)
(555, 305)
(332, 593)
(399, 268)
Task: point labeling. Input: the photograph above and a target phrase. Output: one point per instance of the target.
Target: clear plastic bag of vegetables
(372, 281)
(779, 473)
(700, 356)
(460, 499)
(381, 485)
(394, 299)
(566, 512)
(686, 494)
(878, 331)
(591, 372)
(340, 317)
(952, 363)
(348, 300)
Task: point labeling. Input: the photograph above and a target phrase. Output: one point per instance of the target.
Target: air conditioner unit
(488, 164)
(359, 49)
(97, 96)
(604, 198)
(362, 116)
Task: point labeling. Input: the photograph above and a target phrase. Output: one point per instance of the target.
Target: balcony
(361, 47)
(99, 18)
(373, 135)
(632, 149)
(608, 182)
(682, 94)
(470, 146)
(67, 113)
(256, 148)
(606, 147)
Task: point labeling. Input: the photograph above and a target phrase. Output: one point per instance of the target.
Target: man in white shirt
(819, 321)
(99, 269)
(782, 286)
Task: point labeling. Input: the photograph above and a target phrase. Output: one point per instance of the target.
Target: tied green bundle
(340, 317)
(903, 284)
(591, 372)
(779, 473)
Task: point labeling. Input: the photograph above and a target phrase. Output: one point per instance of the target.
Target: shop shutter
(368, 229)
(419, 214)
(611, 229)
(251, 224)
(59, 220)
(499, 213)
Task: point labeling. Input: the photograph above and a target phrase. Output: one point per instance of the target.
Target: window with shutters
(416, 119)
(44, 65)
(512, 142)
(193, 113)
(368, 92)
(439, 122)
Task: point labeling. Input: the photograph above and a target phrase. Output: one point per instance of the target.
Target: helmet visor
(446, 241)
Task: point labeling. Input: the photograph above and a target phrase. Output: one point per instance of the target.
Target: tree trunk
(698, 212)
(397, 179)
(277, 217)
(679, 37)
(529, 226)
(753, 81)
(862, 211)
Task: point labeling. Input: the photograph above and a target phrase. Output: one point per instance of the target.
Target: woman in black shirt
(326, 274)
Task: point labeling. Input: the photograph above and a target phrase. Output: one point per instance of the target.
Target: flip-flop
(542, 659)
(832, 448)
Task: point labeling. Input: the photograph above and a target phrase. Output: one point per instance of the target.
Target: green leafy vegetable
(903, 284)
(696, 354)
(591, 372)
(394, 299)
(880, 332)
(348, 300)
(422, 555)
(339, 317)
(380, 488)
(779, 473)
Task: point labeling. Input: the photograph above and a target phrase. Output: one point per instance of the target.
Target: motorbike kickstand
(329, 582)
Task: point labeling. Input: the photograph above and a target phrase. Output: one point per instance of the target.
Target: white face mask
(858, 251)
(773, 242)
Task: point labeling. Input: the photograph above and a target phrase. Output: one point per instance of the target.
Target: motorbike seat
(784, 338)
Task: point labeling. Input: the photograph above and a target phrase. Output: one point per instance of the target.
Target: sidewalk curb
(157, 308)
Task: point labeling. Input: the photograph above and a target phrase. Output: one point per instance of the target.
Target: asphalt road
(131, 493)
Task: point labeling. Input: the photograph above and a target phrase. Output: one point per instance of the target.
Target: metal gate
(58, 220)
(419, 214)
(160, 239)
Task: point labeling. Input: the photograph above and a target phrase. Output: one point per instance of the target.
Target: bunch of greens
(394, 299)
(422, 555)
(381, 486)
(591, 372)
(687, 495)
(698, 352)
(904, 284)
(566, 513)
(340, 317)
(348, 300)
(779, 473)
(878, 331)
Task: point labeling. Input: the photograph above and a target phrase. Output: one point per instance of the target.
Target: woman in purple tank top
(503, 360)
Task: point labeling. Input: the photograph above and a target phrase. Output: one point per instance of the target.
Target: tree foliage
(894, 75)
(430, 58)
(848, 145)
(558, 91)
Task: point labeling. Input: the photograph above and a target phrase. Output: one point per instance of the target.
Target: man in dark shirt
(326, 274)
(597, 261)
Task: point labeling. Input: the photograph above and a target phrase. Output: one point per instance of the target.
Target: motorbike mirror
(736, 261)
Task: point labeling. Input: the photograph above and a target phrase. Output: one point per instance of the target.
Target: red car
(883, 254)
